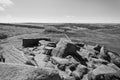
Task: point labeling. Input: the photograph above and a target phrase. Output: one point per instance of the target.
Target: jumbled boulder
(60, 47)
(104, 72)
(41, 60)
(71, 50)
(97, 48)
(51, 44)
(104, 54)
(43, 42)
(65, 48)
(114, 58)
(80, 71)
(58, 60)
(80, 44)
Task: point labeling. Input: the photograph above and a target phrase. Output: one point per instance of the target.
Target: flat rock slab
(40, 60)
(103, 69)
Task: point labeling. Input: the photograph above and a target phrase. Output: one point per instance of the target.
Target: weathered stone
(50, 65)
(99, 61)
(71, 50)
(80, 71)
(114, 59)
(97, 48)
(33, 42)
(104, 54)
(65, 48)
(72, 60)
(103, 69)
(51, 44)
(59, 60)
(80, 44)
(40, 60)
(89, 47)
(60, 48)
(84, 53)
(103, 72)
(43, 42)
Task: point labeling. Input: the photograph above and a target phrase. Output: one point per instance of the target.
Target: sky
(70, 11)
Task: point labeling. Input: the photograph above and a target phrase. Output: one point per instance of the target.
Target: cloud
(1, 8)
(70, 16)
(4, 4)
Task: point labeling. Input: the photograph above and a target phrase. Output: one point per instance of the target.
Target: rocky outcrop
(70, 61)
(82, 62)
(115, 58)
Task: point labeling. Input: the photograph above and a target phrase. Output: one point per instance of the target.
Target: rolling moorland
(103, 34)
(11, 35)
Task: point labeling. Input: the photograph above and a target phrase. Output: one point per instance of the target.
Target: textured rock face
(82, 62)
(40, 60)
(60, 47)
(105, 72)
(65, 48)
(115, 59)
(68, 61)
(60, 60)
(80, 71)
(97, 61)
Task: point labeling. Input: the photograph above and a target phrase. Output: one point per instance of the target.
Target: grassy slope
(13, 30)
(24, 72)
(111, 31)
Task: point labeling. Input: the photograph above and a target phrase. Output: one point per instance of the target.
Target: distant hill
(104, 34)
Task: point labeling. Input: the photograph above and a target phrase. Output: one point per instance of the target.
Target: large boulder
(104, 72)
(89, 47)
(84, 53)
(65, 48)
(60, 47)
(72, 60)
(94, 63)
(59, 60)
(43, 42)
(32, 42)
(114, 58)
(104, 54)
(71, 50)
(97, 48)
(41, 60)
(80, 71)
(99, 61)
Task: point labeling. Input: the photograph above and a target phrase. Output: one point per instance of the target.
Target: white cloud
(70, 16)
(1, 8)
(4, 4)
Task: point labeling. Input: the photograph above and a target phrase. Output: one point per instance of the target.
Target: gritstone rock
(103, 72)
